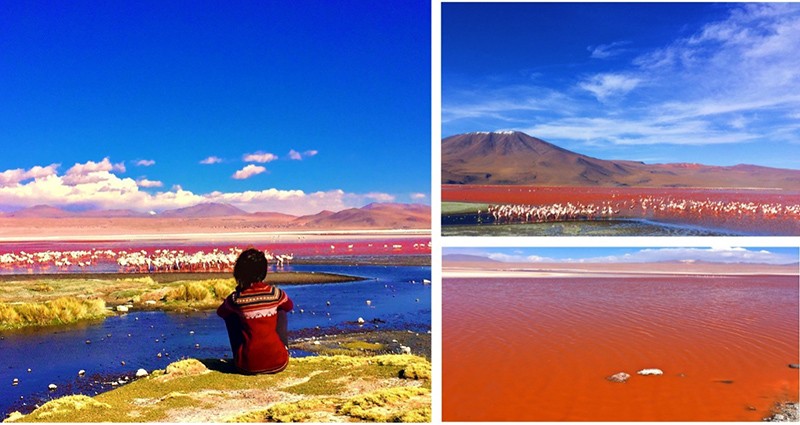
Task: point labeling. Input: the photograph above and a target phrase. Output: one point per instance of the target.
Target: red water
(628, 201)
(541, 349)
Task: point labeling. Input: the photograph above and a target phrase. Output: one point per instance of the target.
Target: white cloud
(380, 197)
(519, 258)
(211, 160)
(418, 196)
(92, 172)
(145, 162)
(719, 254)
(248, 171)
(13, 177)
(261, 157)
(105, 190)
(604, 86)
(605, 51)
(144, 182)
(91, 166)
(297, 156)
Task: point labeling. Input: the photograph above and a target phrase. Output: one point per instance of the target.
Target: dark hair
(250, 267)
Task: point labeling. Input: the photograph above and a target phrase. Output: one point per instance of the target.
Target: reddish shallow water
(540, 349)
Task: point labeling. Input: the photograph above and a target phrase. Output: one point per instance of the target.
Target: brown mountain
(210, 209)
(373, 216)
(515, 158)
(41, 211)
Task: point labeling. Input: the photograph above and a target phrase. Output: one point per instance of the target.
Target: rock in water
(360, 320)
(52, 387)
(650, 372)
(122, 308)
(140, 373)
(619, 377)
(81, 372)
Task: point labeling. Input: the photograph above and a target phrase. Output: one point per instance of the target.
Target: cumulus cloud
(13, 177)
(91, 166)
(418, 196)
(260, 157)
(144, 182)
(248, 171)
(145, 162)
(92, 172)
(211, 160)
(105, 190)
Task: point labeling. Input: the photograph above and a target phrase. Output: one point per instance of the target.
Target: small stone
(360, 320)
(751, 408)
(52, 387)
(369, 302)
(794, 366)
(150, 302)
(405, 350)
(316, 342)
(122, 362)
(197, 346)
(88, 341)
(141, 372)
(81, 372)
(15, 382)
(191, 332)
(327, 303)
(122, 308)
(29, 370)
(108, 335)
(619, 377)
(646, 372)
(158, 355)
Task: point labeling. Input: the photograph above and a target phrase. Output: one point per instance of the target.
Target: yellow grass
(60, 311)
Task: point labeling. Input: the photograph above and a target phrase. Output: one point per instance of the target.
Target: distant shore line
(222, 235)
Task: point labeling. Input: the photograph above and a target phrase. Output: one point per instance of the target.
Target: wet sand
(540, 349)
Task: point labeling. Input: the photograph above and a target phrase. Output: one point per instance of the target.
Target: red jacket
(251, 317)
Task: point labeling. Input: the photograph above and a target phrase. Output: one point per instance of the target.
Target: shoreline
(24, 235)
(372, 359)
(466, 273)
(451, 269)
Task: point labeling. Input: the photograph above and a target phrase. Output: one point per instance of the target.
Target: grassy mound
(60, 311)
(311, 389)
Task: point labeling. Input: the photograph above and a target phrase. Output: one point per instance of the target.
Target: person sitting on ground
(255, 315)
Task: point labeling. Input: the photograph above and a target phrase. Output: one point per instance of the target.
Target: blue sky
(721, 254)
(662, 82)
(271, 106)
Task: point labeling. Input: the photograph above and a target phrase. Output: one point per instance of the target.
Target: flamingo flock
(649, 206)
(141, 261)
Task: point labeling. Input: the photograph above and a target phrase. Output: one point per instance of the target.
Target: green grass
(462, 207)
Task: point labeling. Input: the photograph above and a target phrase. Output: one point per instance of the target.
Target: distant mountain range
(376, 215)
(515, 158)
